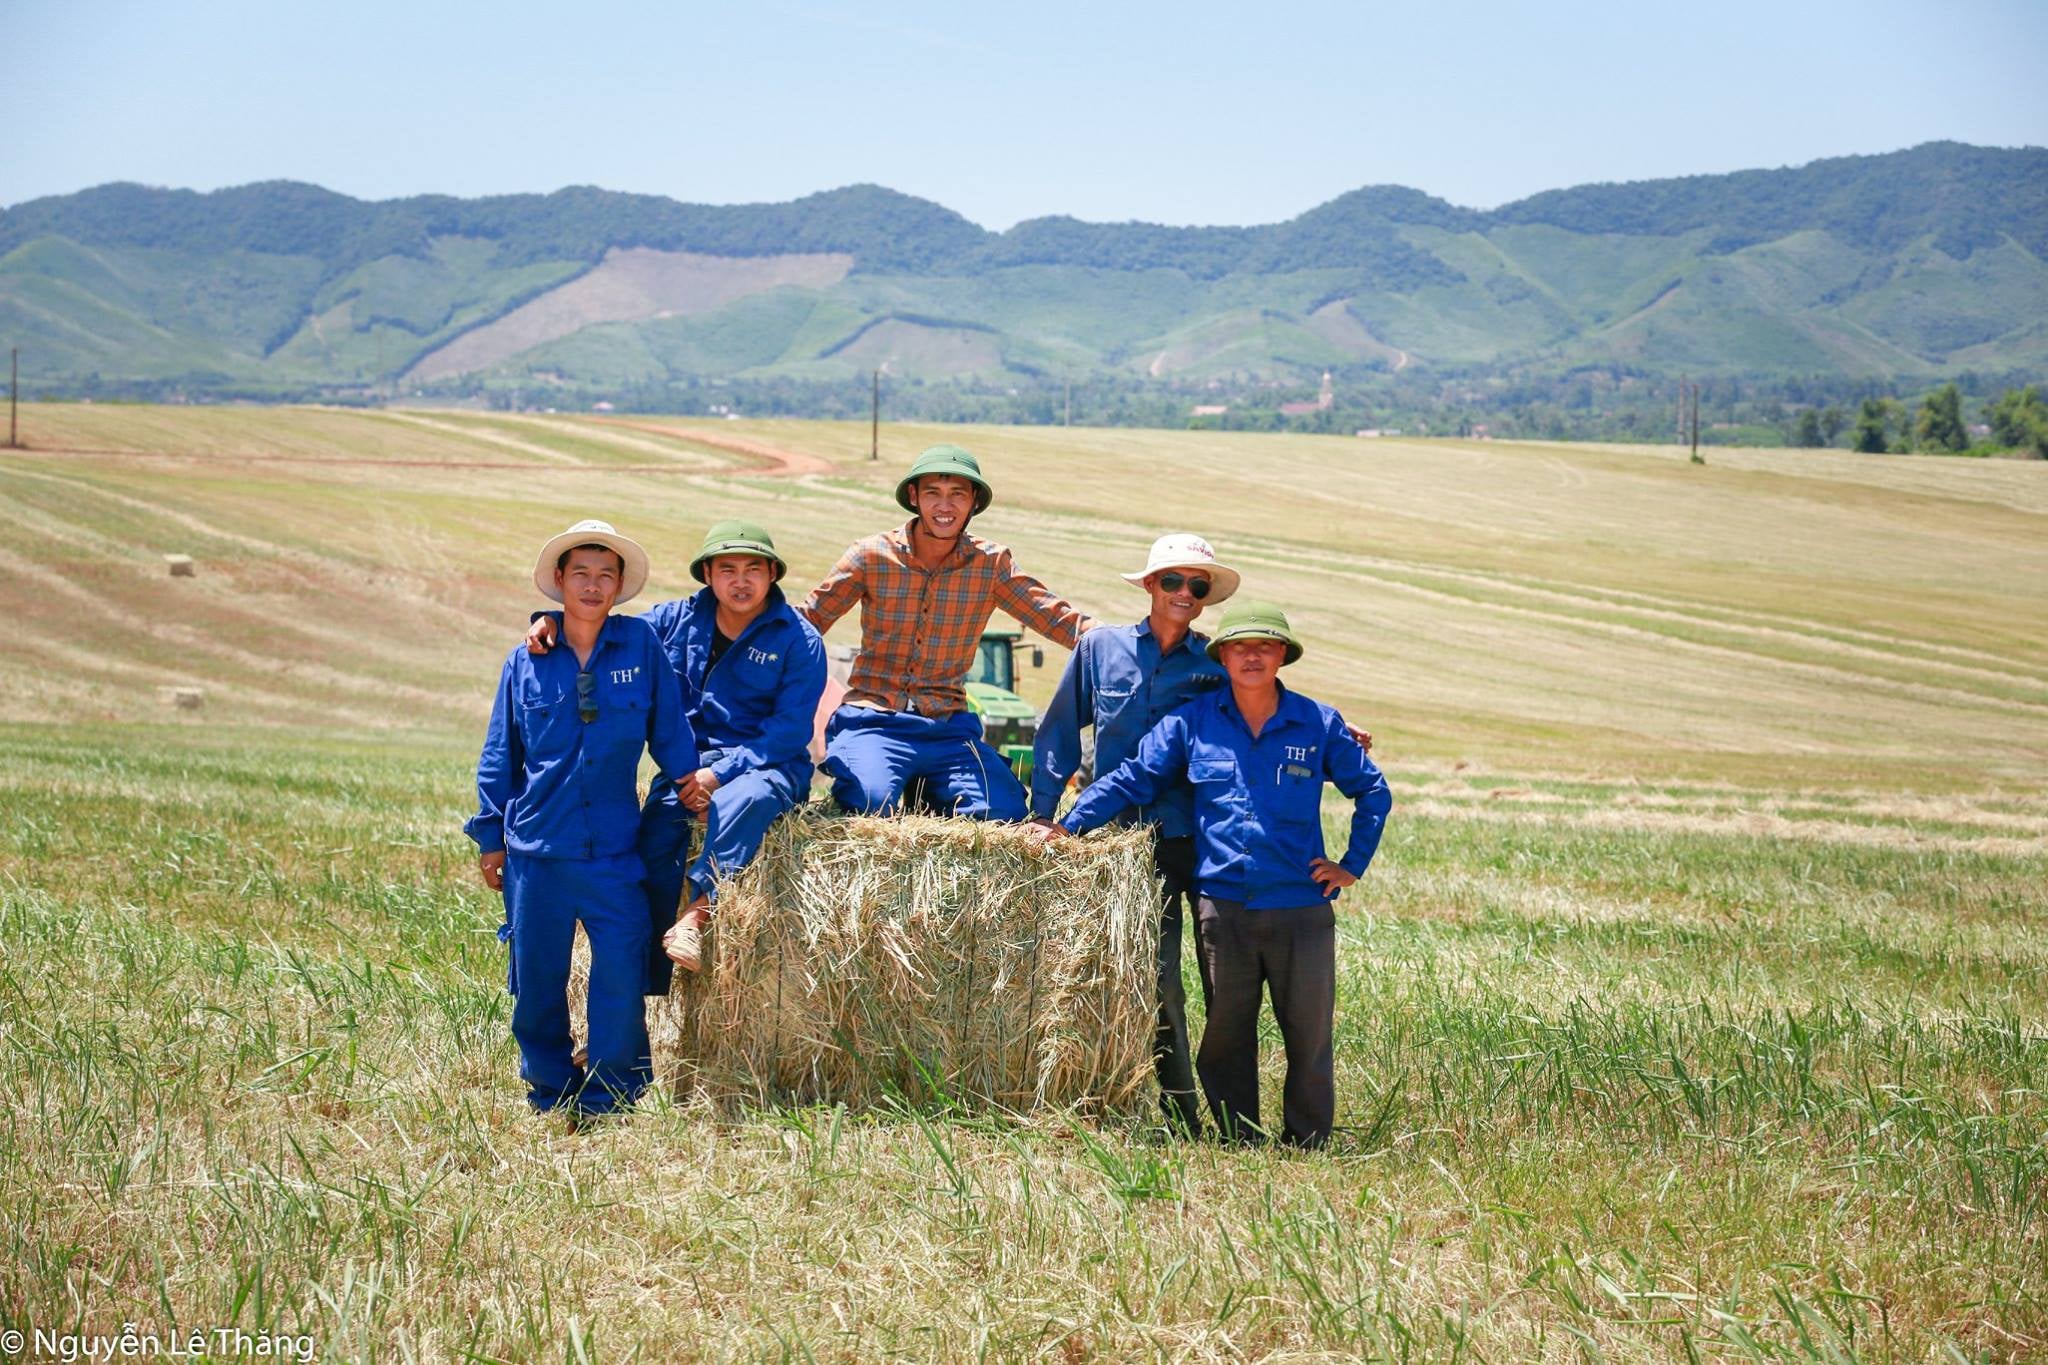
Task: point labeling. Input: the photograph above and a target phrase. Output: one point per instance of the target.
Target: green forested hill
(1912, 264)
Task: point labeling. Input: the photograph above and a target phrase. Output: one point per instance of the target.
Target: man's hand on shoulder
(1361, 734)
(540, 636)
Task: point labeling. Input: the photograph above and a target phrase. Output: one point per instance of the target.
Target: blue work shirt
(1118, 681)
(1258, 802)
(757, 706)
(550, 784)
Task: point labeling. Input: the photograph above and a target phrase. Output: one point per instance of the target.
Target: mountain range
(1916, 263)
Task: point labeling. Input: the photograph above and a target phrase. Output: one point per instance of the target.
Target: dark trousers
(1172, 1059)
(1293, 954)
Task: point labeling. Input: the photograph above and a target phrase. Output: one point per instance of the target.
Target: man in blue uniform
(1256, 756)
(1122, 681)
(751, 672)
(557, 815)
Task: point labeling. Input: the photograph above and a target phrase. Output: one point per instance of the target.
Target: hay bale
(860, 958)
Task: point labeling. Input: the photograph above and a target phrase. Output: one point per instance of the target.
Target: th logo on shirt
(760, 656)
(1296, 754)
(625, 675)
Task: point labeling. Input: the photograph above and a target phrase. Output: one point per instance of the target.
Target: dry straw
(860, 959)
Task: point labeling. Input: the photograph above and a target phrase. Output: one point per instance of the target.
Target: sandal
(684, 944)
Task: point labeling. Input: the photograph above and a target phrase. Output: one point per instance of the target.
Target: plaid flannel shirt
(920, 627)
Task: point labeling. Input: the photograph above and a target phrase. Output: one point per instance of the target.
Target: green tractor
(1007, 721)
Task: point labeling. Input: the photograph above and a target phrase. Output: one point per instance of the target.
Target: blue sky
(1176, 113)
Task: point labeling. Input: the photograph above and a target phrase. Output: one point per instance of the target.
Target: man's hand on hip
(1329, 876)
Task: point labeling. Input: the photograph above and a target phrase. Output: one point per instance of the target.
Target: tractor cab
(1007, 721)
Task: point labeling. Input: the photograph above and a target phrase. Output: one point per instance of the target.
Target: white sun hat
(1184, 551)
(592, 533)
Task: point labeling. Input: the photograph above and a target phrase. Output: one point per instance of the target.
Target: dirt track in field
(789, 463)
(773, 461)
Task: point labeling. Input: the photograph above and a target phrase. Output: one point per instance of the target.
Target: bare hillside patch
(901, 347)
(1335, 323)
(630, 284)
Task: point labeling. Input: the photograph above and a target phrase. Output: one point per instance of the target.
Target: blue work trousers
(544, 898)
(741, 811)
(871, 755)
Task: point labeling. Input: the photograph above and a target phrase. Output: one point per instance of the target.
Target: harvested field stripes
(1684, 619)
(1695, 634)
(339, 462)
(1645, 611)
(1776, 636)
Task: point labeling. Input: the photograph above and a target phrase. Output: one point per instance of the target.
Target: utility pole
(14, 400)
(1689, 417)
(875, 419)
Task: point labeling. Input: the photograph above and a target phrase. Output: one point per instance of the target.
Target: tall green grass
(1626, 1093)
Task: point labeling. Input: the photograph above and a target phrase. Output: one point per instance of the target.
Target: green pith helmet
(1255, 621)
(736, 538)
(946, 459)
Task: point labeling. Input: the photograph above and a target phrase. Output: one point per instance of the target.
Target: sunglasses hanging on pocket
(586, 696)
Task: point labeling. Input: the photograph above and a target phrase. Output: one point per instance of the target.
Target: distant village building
(601, 406)
(1324, 401)
(1369, 432)
(1211, 409)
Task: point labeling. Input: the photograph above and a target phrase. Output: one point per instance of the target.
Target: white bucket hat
(1184, 551)
(592, 533)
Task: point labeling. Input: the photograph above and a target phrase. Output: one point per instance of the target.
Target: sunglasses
(586, 697)
(1198, 588)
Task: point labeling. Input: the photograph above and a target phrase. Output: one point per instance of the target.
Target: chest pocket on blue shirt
(544, 722)
(1300, 788)
(621, 716)
(1214, 778)
(753, 675)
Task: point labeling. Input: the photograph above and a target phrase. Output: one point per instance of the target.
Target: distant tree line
(1603, 403)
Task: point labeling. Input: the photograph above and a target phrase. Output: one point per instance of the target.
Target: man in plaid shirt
(926, 591)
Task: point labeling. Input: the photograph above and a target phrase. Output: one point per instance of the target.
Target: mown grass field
(1697, 1005)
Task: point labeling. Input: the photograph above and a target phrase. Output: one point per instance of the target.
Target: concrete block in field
(181, 566)
(184, 698)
